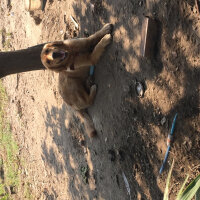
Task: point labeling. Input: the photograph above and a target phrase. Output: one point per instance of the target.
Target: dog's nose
(56, 55)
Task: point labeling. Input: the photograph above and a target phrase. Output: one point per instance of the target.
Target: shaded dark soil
(132, 131)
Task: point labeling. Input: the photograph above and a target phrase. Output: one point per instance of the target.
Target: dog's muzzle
(62, 55)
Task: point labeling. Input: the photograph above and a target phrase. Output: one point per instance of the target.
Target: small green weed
(6, 39)
(9, 167)
(27, 191)
(85, 173)
(193, 189)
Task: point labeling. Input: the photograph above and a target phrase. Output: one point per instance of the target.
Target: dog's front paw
(107, 39)
(93, 89)
(107, 28)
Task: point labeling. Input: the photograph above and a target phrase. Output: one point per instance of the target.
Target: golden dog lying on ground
(72, 58)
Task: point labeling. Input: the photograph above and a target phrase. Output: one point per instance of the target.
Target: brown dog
(75, 53)
(72, 58)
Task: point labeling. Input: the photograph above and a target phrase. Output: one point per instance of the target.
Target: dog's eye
(48, 61)
(47, 51)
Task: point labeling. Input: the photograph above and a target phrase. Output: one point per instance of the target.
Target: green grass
(9, 161)
(27, 191)
(193, 189)
(7, 37)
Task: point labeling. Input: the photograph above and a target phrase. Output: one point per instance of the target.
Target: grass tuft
(9, 168)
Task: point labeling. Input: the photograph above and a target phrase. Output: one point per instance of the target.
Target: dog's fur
(72, 58)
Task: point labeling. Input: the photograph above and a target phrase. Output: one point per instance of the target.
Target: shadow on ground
(131, 138)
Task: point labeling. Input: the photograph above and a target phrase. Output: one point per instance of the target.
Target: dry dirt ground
(60, 161)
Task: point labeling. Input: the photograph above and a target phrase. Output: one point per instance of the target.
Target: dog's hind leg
(88, 123)
(85, 99)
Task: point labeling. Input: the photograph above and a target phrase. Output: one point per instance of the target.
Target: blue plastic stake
(169, 140)
(92, 70)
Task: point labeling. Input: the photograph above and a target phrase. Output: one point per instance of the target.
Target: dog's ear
(56, 43)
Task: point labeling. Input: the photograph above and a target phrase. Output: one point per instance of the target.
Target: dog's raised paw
(107, 39)
(108, 28)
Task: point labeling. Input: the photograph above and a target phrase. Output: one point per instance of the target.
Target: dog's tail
(88, 123)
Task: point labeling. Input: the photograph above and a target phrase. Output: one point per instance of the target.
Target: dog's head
(54, 56)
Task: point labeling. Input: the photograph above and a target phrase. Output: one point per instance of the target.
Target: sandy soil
(59, 160)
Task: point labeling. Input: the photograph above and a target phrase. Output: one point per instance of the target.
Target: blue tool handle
(169, 139)
(165, 159)
(173, 124)
(168, 143)
(92, 70)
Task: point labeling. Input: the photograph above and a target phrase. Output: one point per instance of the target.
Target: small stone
(139, 89)
(174, 54)
(92, 7)
(140, 3)
(106, 139)
(163, 120)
